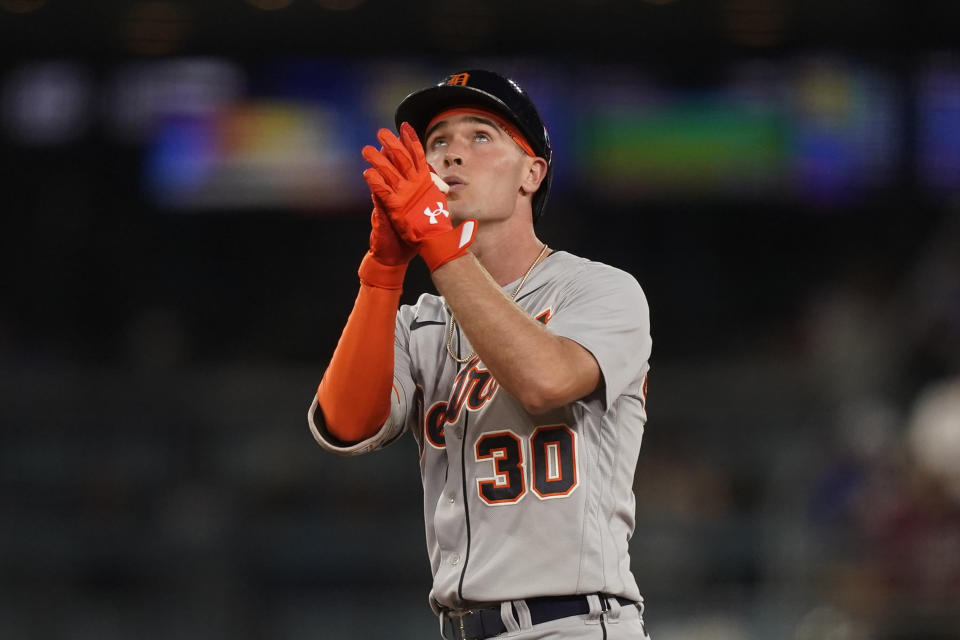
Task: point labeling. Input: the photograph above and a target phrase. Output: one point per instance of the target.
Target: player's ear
(536, 171)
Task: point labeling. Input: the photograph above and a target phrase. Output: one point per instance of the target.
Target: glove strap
(384, 276)
(440, 249)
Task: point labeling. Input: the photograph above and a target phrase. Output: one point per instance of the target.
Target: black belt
(477, 624)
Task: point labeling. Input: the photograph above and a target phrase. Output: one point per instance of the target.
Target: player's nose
(452, 159)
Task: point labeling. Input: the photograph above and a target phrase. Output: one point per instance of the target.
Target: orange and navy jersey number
(553, 457)
(509, 481)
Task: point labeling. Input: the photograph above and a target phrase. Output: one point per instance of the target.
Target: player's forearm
(354, 393)
(539, 368)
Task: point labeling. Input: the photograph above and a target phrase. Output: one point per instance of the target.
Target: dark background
(163, 326)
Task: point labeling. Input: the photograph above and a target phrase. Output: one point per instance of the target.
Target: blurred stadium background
(183, 215)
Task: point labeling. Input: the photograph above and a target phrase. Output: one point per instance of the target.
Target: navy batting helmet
(488, 90)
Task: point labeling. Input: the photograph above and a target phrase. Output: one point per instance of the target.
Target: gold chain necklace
(516, 291)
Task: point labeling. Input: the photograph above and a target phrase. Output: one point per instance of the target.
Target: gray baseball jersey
(517, 505)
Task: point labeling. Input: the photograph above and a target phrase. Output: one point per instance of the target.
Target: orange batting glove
(401, 179)
(385, 264)
(385, 244)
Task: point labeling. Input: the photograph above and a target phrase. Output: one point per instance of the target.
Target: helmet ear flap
(540, 197)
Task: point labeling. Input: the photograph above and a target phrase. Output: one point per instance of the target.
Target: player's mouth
(455, 183)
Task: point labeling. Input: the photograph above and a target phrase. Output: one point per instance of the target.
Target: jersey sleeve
(605, 311)
(401, 401)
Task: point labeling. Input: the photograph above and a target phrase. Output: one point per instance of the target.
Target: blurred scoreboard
(821, 131)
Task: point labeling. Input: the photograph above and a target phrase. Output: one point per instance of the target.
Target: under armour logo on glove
(433, 214)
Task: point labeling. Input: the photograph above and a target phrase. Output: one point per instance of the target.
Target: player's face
(483, 166)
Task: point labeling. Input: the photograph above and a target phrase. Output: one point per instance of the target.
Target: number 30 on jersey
(552, 464)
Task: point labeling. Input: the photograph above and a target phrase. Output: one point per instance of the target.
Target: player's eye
(481, 136)
(436, 142)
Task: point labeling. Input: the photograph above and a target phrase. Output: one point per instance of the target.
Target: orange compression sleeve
(354, 393)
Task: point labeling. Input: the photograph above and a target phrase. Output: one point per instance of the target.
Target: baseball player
(524, 383)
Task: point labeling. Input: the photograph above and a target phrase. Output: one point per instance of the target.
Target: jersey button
(455, 559)
(452, 498)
